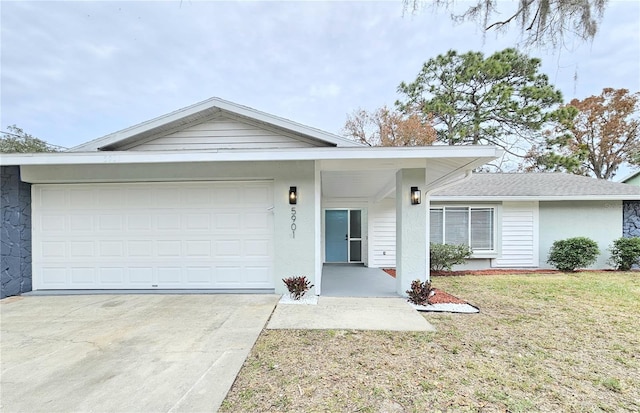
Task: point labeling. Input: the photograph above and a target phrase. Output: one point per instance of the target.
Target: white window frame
(477, 253)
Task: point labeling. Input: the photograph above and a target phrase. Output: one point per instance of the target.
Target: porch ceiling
(367, 179)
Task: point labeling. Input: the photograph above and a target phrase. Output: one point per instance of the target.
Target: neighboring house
(511, 220)
(633, 179)
(218, 196)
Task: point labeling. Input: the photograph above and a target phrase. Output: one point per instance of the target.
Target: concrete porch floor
(356, 280)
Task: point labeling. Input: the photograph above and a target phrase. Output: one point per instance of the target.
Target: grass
(542, 342)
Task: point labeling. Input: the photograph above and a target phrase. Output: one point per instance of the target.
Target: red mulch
(440, 297)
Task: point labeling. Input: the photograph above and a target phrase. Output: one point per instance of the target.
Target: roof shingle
(531, 185)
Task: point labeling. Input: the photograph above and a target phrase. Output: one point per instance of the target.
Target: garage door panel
(81, 249)
(113, 236)
(83, 275)
(141, 276)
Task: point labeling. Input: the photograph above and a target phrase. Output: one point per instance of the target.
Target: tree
(17, 140)
(385, 127)
(603, 134)
(540, 22)
(499, 100)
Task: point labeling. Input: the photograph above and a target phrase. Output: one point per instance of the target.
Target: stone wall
(631, 219)
(15, 234)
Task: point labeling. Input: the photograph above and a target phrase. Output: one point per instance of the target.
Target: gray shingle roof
(532, 185)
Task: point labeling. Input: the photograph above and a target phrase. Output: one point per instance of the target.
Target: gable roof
(630, 177)
(201, 112)
(536, 186)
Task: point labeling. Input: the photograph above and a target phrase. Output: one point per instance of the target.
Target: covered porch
(356, 280)
(369, 217)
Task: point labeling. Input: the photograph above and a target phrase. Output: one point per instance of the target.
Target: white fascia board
(481, 153)
(211, 104)
(616, 197)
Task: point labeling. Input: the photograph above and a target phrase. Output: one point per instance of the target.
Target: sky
(74, 71)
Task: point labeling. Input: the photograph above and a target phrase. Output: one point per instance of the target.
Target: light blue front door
(336, 235)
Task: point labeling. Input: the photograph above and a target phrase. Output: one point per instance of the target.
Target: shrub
(297, 286)
(625, 253)
(445, 256)
(420, 292)
(571, 253)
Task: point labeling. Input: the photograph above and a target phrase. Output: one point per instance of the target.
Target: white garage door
(153, 235)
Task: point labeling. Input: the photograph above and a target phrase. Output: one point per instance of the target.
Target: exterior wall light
(415, 195)
(293, 195)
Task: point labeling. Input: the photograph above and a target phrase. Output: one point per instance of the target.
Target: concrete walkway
(350, 313)
(125, 353)
(353, 280)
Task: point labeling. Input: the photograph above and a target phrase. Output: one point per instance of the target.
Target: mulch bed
(440, 297)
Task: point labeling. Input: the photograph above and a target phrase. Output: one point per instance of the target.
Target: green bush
(625, 253)
(445, 256)
(420, 292)
(297, 286)
(571, 253)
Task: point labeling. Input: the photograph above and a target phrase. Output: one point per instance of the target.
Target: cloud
(324, 91)
(80, 70)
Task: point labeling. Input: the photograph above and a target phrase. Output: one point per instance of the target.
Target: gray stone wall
(631, 219)
(15, 234)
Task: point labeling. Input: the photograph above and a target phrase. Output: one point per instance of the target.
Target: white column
(411, 230)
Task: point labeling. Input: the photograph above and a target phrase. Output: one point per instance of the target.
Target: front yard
(542, 342)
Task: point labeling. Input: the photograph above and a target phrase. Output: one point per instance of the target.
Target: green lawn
(542, 342)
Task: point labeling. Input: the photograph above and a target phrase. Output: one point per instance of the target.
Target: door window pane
(355, 249)
(355, 225)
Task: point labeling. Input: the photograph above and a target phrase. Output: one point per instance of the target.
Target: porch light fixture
(415, 195)
(293, 195)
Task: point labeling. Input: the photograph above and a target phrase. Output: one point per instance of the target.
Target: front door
(343, 235)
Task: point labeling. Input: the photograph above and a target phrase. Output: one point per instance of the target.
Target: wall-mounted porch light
(415, 195)
(293, 195)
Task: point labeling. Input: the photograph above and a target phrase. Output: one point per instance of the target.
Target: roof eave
(487, 153)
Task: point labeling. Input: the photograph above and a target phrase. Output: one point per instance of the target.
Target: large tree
(541, 22)
(604, 134)
(499, 100)
(17, 140)
(386, 127)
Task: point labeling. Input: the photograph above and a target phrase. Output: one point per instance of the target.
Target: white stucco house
(219, 196)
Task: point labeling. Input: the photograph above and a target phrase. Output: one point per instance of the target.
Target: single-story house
(512, 219)
(218, 196)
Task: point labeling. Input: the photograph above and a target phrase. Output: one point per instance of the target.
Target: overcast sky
(75, 71)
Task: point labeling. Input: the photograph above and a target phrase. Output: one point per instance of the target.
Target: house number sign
(293, 221)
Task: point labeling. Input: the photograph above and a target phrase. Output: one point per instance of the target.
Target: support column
(411, 230)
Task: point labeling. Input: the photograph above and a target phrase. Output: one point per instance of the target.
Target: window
(473, 226)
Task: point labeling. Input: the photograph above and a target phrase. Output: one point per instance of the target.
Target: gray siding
(15, 235)
(598, 220)
(225, 132)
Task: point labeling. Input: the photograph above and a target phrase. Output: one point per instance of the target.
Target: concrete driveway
(125, 353)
